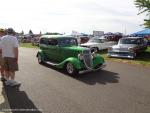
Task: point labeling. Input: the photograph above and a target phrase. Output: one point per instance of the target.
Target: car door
(102, 44)
(53, 50)
(106, 43)
(140, 45)
(43, 47)
(143, 44)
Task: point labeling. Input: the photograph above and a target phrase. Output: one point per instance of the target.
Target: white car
(98, 43)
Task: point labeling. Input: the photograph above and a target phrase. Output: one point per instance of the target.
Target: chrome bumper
(120, 56)
(90, 70)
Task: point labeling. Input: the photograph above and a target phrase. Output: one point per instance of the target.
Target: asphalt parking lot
(118, 88)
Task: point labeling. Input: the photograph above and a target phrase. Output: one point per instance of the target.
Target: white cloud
(67, 15)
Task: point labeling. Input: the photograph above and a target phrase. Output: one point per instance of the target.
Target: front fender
(40, 52)
(75, 61)
(98, 60)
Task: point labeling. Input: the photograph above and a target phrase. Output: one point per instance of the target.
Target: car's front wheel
(95, 49)
(40, 61)
(70, 69)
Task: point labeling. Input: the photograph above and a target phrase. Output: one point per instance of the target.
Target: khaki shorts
(9, 64)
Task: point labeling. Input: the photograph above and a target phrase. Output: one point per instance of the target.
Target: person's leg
(2, 71)
(3, 78)
(3, 67)
(12, 75)
(7, 74)
(13, 66)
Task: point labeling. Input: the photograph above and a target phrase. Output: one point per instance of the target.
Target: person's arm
(16, 53)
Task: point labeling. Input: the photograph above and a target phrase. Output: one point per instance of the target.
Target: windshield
(68, 42)
(95, 40)
(128, 41)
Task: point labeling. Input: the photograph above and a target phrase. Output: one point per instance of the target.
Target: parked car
(128, 47)
(147, 38)
(63, 52)
(35, 41)
(114, 36)
(82, 39)
(98, 43)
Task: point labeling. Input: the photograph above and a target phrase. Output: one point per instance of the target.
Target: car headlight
(80, 56)
(94, 54)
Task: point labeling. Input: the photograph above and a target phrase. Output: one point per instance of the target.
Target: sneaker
(8, 83)
(13, 83)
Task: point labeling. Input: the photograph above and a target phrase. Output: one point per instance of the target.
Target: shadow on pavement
(91, 78)
(101, 77)
(4, 106)
(19, 101)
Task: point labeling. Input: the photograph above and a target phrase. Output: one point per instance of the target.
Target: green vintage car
(63, 52)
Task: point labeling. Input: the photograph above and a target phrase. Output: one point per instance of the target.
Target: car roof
(56, 36)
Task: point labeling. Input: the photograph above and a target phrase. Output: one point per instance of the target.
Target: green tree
(30, 32)
(144, 7)
(147, 23)
(22, 32)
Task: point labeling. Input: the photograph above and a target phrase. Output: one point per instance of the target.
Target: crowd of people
(8, 56)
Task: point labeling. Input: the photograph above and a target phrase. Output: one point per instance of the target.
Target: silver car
(98, 43)
(128, 47)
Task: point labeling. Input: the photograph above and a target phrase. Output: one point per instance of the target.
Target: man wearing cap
(9, 48)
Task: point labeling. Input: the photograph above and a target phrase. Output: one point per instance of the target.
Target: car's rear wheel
(40, 59)
(70, 69)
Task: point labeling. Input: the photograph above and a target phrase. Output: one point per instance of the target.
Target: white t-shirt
(7, 44)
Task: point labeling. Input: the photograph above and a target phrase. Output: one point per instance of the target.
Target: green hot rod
(63, 52)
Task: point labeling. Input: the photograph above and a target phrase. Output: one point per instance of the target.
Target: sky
(63, 16)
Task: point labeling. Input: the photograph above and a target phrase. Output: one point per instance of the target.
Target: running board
(51, 63)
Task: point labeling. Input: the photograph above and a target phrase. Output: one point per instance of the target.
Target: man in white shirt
(9, 47)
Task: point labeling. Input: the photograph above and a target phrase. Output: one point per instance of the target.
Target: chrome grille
(87, 58)
(86, 52)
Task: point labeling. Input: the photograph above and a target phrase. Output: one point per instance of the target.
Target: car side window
(52, 42)
(43, 41)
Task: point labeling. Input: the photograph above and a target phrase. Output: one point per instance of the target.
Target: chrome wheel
(95, 49)
(70, 68)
